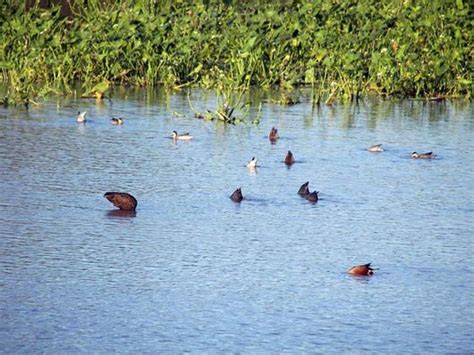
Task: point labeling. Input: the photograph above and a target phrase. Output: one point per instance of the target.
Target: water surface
(192, 271)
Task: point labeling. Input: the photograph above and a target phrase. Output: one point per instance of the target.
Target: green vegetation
(342, 48)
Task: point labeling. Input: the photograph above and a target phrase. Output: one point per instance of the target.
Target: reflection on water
(193, 271)
(121, 213)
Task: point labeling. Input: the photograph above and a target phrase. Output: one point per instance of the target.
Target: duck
(377, 148)
(304, 190)
(428, 155)
(361, 270)
(273, 135)
(289, 159)
(237, 195)
(183, 136)
(313, 196)
(117, 121)
(252, 164)
(81, 117)
(122, 200)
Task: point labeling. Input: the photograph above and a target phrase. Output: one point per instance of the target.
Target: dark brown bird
(237, 195)
(289, 159)
(361, 270)
(273, 135)
(122, 200)
(313, 196)
(304, 190)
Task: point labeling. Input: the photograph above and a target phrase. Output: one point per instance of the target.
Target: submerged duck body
(304, 190)
(183, 136)
(81, 117)
(289, 159)
(273, 135)
(122, 200)
(428, 155)
(237, 195)
(361, 270)
(252, 164)
(313, 196)
(117, 121)
(377, 148)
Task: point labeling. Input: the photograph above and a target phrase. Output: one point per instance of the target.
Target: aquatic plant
(340, 48)
(227, 103)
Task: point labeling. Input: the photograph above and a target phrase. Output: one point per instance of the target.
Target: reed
(340, 48)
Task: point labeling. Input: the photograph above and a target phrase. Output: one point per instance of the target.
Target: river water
(193, 271)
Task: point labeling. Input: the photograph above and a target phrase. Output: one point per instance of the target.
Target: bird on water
(237, 195)
(304, 190)
(428, 155)
(273, 135)
(313, 196)
(377, 148)
(122, 200)
(117, 121)
(81, 117)
(361, 270)
(289, 159)
(183, 136)
(252, 164)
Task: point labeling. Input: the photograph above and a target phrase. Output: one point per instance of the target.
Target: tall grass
(342, 48)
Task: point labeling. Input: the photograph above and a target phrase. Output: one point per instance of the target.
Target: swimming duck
(361, 270)
(313, 196)
(273, 135)
(252, 164)
(122, 200)
(116, 121)
(183, 136)
(304, 190)
(237, 195)
(376, 148)
(428, 155)
(81, 117)
(289, 159)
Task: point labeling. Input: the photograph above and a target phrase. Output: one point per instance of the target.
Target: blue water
(192, 271)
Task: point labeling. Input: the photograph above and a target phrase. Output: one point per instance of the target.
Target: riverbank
(342, 49)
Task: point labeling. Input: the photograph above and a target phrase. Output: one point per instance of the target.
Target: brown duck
(289, 159)
(273, 135)
(237, 195)
(313, 196)
(304, 190)
(361, 270)
(122, 200)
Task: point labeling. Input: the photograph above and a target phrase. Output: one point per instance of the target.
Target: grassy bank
(341, 48)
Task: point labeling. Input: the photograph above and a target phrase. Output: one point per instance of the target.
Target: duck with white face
(252, 164)
(117, 121)
(81, 117)
(377, 148)
(183, 136)
(428, 155)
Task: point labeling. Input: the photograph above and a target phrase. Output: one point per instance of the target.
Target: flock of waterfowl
(126, 202)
